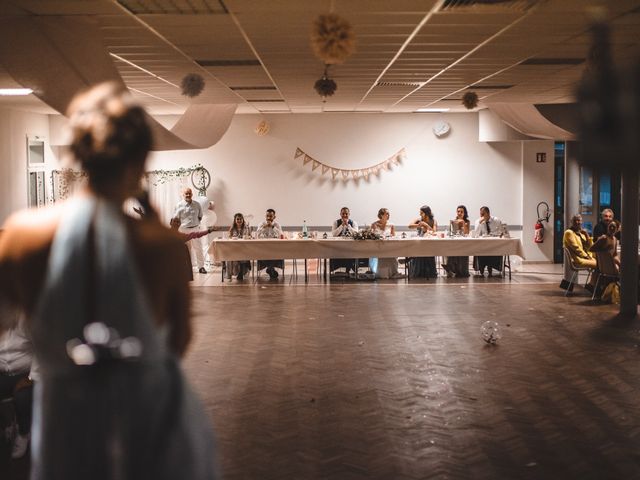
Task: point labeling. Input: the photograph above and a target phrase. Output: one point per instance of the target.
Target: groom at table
(343, 227)
(487, 226)
(270, 229)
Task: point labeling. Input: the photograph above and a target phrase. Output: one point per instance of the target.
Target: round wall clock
(441, 128)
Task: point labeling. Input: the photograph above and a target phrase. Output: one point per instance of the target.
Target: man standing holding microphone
(190, 214)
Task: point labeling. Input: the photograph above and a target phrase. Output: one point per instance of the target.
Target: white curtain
(164, 196)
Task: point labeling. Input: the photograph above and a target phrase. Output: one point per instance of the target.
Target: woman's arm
(415, 223)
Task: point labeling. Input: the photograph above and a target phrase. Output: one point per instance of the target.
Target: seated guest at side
(270, 229)
(343, 227)
(608, 243)
(459, 266)
(606, 218)
(16, 356)
(578, 243)
(487, 226)
(385, 267)
(424, 267)
(239, 229)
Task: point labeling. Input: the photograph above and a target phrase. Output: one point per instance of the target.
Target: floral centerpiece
(367, 234)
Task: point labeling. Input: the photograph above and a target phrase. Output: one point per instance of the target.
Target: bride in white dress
(386, 267)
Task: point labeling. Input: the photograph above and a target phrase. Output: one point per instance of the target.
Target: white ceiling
(410, 53)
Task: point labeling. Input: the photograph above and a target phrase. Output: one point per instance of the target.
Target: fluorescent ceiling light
(15, 91)
(432, 110)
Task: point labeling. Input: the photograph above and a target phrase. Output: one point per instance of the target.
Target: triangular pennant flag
(365, 173)
(298, 153)
(402, 154)
(355, 173)
(345, 174)
(307, 159)
(315, 165)
(396, 159)
(324, 169)
(387, 165)
(334, 172)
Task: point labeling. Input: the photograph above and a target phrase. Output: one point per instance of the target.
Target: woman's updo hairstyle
(109, 132)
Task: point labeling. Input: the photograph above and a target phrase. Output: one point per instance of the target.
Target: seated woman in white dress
(386, 267)
(239, 229)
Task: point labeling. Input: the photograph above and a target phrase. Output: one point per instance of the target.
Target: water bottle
(305, 232)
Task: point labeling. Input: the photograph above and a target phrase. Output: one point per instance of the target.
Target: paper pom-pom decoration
(325, 86)
(470, 100)
(332, 39)
(192, 85)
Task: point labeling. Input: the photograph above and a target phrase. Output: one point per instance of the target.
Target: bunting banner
(351, 174)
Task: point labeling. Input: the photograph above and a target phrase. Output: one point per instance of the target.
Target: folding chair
(575, 271)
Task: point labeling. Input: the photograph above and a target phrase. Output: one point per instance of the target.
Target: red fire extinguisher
(538, 232)
(538, 235)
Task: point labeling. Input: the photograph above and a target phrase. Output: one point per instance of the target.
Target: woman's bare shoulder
(29, 232)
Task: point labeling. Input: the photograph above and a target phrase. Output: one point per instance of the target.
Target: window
(586, 191)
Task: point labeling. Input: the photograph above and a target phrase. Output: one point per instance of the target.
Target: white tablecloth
(267, 249)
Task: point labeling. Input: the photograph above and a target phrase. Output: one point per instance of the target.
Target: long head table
(267, 249)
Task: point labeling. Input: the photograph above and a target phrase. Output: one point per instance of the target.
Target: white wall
(15, 125)
(537, 186)
(252, 173)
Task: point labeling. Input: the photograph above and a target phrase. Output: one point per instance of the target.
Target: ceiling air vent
(174, 7)
(398, 84)
(253, 88)
(489, 87)
(490, 5)
(553, 61)
(228, 63)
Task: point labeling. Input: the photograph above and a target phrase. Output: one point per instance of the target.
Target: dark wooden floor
(393, 381)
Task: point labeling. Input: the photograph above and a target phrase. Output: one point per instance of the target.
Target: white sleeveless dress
(116, 419)
(385, 267)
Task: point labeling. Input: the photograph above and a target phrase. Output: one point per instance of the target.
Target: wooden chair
(575, 271)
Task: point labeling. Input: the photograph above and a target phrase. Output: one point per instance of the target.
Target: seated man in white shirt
(487, 226)
(343, 227)
(16, 356)
(190, 214)
(270, 229)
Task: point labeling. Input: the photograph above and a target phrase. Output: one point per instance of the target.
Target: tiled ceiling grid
(257, 53)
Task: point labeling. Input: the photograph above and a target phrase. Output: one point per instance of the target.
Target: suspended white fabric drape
(56, 64)
(526, 119)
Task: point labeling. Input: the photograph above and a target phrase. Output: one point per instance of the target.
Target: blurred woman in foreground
(107, 301)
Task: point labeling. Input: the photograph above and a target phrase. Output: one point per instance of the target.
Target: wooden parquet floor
(393, 381)
(389, 380)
